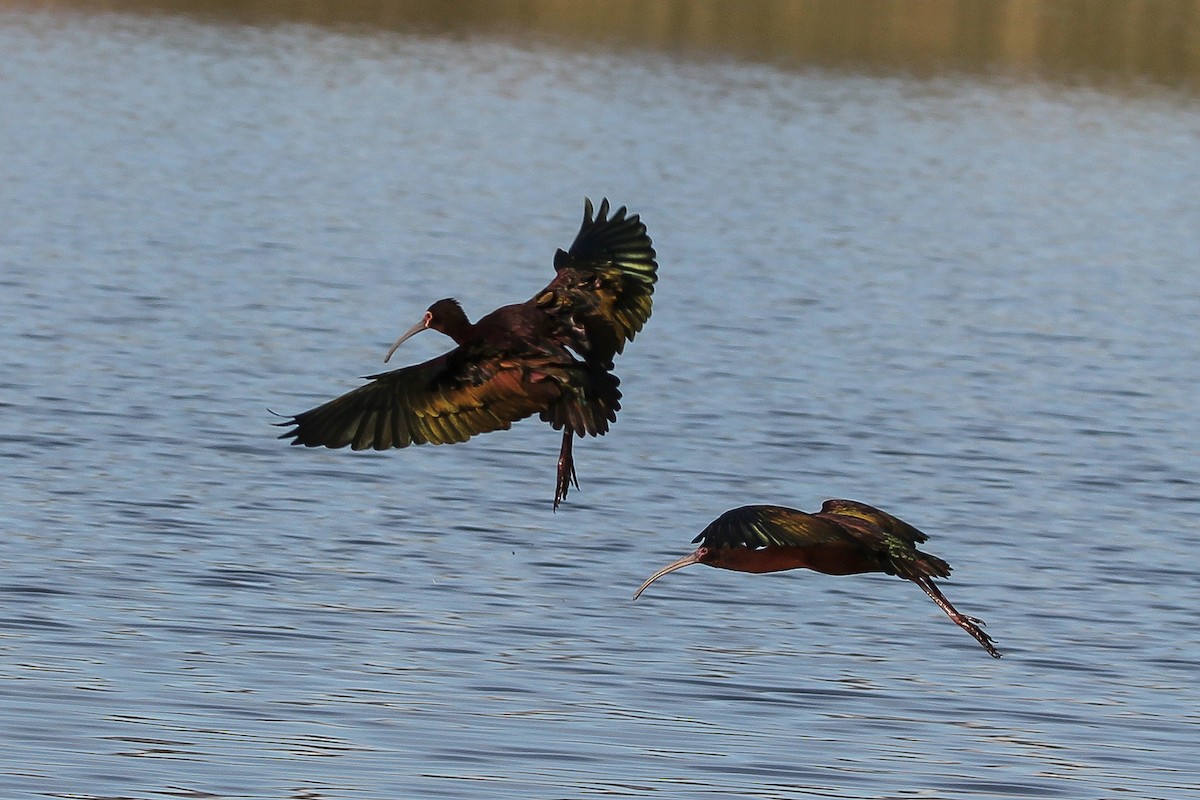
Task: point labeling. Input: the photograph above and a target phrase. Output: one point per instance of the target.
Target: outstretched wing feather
(619, 241)
(605, 281)
(420, 405)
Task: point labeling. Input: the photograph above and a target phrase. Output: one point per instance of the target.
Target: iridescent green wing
(767, 526)
(604, 283)
(881, 519)
(429, 403)
(889, 535)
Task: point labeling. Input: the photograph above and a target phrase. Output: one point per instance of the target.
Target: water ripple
(940, 317)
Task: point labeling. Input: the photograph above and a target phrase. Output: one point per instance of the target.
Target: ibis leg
(968, 624)
(566, 470)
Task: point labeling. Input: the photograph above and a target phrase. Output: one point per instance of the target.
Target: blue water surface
(971, 302)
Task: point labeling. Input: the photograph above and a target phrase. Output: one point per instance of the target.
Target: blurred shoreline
(1099, 42)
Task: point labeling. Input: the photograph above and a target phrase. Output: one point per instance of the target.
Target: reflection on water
(1102, 41)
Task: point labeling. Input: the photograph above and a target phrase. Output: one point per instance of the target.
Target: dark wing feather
(590, 400)
(424, 404)
(605, 282)
(767, 526)
(881, 519)
(892, 537)
(843, 522)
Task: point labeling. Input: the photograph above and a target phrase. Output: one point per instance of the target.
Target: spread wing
(767, 526)
(605, 282)
(424, 404)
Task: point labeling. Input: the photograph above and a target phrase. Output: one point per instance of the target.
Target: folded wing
(894, 538)
(770, 526)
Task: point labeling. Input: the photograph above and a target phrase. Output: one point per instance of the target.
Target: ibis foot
(566, 470)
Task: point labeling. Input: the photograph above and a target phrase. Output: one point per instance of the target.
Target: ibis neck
(461, 331)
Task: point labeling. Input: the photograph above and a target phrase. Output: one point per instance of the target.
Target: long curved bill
(686, 561)
(413, 331)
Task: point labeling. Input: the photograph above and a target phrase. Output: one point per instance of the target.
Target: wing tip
(620, 239)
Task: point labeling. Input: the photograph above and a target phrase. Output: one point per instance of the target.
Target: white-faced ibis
(551, 355)
(844, 538)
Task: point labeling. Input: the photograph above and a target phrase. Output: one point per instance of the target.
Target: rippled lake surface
(970, 301)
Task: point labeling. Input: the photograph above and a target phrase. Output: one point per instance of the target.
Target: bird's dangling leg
(566, 470)
(968, 624)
